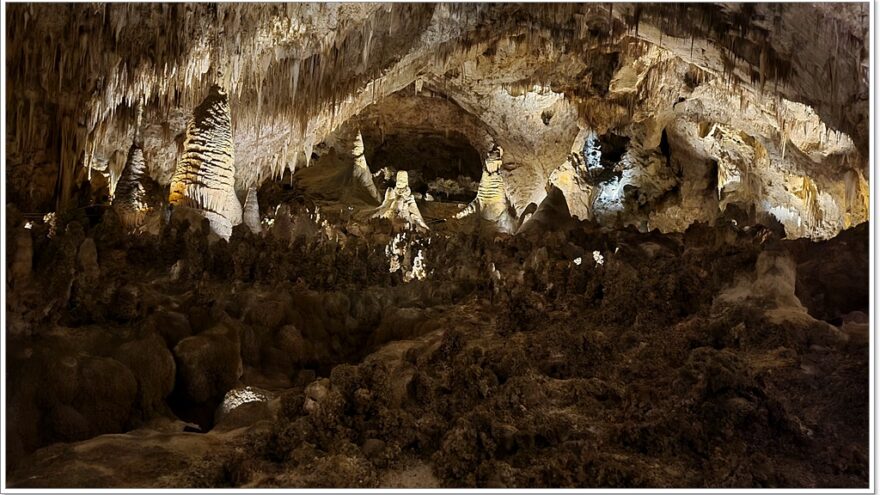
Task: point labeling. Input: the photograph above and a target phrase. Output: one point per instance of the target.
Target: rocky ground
(565, 357)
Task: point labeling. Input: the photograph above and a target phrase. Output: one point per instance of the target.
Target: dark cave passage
(427, 156)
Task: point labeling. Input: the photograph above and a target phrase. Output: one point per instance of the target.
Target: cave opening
(433, 159)
(424, 133)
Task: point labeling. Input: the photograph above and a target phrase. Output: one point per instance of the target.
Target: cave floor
(713, 358)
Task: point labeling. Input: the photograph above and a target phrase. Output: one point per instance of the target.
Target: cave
(437, 245)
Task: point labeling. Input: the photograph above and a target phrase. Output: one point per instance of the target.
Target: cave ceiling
(735, 99)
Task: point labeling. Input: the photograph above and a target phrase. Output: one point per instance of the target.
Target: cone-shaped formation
(205, 175)
(136, 193)
(400, 204)
(491, 201)
(361, 172)
(251, 215)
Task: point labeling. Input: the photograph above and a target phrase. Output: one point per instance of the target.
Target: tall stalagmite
(251, 215)
(491, 201)
(205, 175)
(361, 173)
(136, 193)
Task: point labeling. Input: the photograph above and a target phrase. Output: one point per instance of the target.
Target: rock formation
(361, 173)
(205, 175)
(491, 202)
(400, 205)
(288, 101)
(251, 214)
(136, 195)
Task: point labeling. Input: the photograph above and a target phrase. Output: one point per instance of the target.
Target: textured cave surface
(437, 245)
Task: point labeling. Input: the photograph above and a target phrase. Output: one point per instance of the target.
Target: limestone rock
(208, 364)
(361, 172)
(400, 205)
(170, 325)
(491, 202)
(251, 215)
(205, 175)
(88, 259)
(22, 260)
(106, 394)
(136, 194)
(152, 365)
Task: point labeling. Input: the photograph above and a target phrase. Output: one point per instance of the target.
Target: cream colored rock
(205, 175)
(399, 204)
(361, 173)
(579, 194)
(251, 214)
(491, 202)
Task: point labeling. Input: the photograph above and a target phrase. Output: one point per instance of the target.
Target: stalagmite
(361, 172)
(136, 194)
(205, 175)
(491, 201)
(400, 204)
(251, 215)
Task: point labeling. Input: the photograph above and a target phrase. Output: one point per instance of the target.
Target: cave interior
(437, 245)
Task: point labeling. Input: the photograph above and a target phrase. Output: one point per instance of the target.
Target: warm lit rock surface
(205, 176)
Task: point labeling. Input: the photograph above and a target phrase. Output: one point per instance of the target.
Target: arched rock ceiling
(777, 90)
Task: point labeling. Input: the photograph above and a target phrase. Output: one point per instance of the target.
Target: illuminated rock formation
(205, 175)
(361, 173)
(399, 204)
(491, 202)
(572, 179)
(136, 193)
(251, 214)
(624, 69)
(685, 301)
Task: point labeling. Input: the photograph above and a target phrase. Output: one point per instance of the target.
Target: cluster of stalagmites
(204, 182)
(490, 206)
(399, 203)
